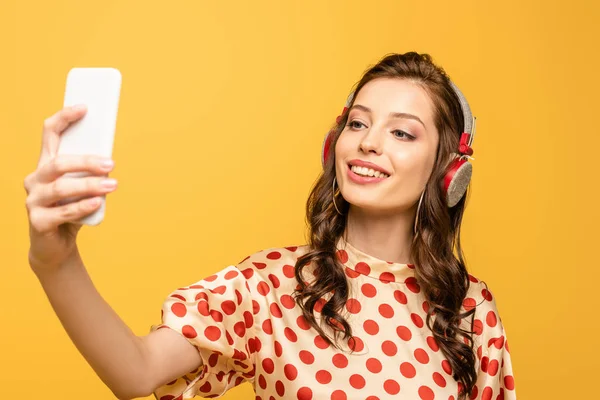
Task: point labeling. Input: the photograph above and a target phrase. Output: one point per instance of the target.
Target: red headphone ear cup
(456, 180)
(325, 149)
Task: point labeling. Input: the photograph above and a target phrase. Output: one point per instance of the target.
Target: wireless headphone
(459, 170)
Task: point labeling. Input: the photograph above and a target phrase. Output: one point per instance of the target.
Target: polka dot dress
(247, 327)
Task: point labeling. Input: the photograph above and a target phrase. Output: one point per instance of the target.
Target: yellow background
(223, 110)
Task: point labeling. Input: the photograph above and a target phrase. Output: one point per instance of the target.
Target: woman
(376, 305)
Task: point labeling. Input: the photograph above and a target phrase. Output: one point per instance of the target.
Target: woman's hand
(51, 229)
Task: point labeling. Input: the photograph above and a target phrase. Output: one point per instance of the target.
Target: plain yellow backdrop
(224, 106)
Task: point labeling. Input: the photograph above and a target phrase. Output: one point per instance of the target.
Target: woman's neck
(387, 237)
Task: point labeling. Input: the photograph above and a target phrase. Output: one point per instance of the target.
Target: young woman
(378, 304)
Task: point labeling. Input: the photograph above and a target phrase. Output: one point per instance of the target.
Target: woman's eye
(401, 134)
(351, 124)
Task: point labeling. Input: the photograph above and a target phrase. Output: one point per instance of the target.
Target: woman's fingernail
(109, 183)
(107, 164)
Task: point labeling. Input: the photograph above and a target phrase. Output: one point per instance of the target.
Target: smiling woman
(376, 304)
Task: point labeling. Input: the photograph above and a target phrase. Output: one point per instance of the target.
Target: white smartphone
(99, 89)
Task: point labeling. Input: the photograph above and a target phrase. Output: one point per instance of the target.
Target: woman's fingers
(60, 165)
(44, 219)
(64, 188)
(54, 126)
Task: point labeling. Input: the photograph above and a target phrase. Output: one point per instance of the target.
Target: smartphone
(99, 89)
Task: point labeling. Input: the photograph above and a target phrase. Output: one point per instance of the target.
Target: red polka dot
(262, 381)
(421, 356)
(484, 363)
(319, 304)
(210, 278)
(426, 307)
(387, 277)
(426, 393)
(371, 327)
(304, 393)
(372, 398)
(203, 308)
(400, 297)
(248, 272)
(290, 334)
(275, 310)
(446, 367)
(417, 320)
(302, 323)
(255, 307)
(368, 290)
(408, 370)
(230, 275)
(478, 327)
(386, 311)
(263, 288)
(357, 381)
(323, 377)
(206, 387)
(439, 379)
(290, 372)
(493, 367)
(189, 332)
(391, 386)
(274, 255)
(274, 280)
(179, 309)
(267, 327)
(339, 395)
(217, 316)
(268, 365)
(289, 271)
(351, 273)
(288, 301)
(240, 328)
(212, 333)
(490, 319)
(259, 265)
(509, 382)
(486, 294)
(228, 307)
(278, 349)
(374, 365)
(487, 393)
(340, 361)
(412, 285)
(238, 295)
(306, 357)
(363, 268)
(356, 344)
(342, 256)
(469, 303)
(404, 333)
(353, 306)
(280, 388)
(433, 345)
(219, 289)
(320, 342)
(389, 348)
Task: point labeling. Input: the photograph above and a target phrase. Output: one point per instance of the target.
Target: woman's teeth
(367, 172)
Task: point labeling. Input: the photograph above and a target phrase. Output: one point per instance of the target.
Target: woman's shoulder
(272, 263)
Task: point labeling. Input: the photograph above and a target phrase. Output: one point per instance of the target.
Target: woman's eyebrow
(392, 114)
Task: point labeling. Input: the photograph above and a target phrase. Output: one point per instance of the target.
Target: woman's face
(391, 126)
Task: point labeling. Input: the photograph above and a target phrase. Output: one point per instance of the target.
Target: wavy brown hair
(441, 274)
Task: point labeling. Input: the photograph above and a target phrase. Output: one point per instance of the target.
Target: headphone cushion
(456, 181)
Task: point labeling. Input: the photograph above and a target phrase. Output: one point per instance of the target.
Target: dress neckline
(358, 262)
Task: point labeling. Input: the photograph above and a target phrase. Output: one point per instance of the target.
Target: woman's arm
(129, 365)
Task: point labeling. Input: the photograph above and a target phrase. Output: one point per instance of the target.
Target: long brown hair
(441, 274)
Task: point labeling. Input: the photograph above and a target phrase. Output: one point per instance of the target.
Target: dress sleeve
(216, 316)
(495, 379)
